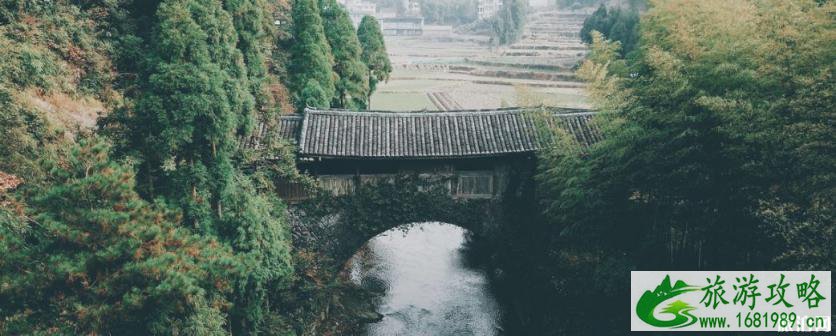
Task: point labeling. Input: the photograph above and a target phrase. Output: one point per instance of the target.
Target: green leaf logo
(679, 309)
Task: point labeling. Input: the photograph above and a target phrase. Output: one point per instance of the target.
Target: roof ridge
(425, 113)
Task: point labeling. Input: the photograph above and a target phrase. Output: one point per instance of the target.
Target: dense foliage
(195, 104)
(90, 256)
(330, 64)
(712, 129)
(718, 154)
(55, 74)
(352, 84)
(255, 28)
(197, 244)
(311, 61)
(374, 53)
(194, 101)
(616, 24)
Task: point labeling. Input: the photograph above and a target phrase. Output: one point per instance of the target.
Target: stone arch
(337, 226)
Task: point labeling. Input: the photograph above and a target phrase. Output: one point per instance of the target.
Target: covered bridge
(472, 147)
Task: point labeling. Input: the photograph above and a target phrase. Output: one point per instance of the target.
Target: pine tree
(191, 108)
(97, 259)
(374, 53)
(616, 24)
(311, 61)
(352, 82)
(595, 22)
(195, 106)
(254, 29)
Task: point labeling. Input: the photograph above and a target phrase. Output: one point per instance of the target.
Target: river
(424, 284)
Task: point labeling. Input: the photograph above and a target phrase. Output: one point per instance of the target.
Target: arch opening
(342, 224)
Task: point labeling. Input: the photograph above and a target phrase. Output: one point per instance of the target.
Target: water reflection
(425, 287)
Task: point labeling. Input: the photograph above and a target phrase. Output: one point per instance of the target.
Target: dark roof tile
(338, 133)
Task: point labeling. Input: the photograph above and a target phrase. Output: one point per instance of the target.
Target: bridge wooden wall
(460, 185)
(471, 178)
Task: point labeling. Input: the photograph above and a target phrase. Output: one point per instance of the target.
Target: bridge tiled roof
(471, 133)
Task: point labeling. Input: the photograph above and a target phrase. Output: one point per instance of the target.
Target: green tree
(97, 259)
(254, 224)
(507, 26)
(616, 24)
(707, 135)
(374, 53)
(352, 83)
(188, 71)
(717, 154)
(195, 105)
(254, 29)
(597, 22)
(190, 109)
(311, 62)
(282, 40)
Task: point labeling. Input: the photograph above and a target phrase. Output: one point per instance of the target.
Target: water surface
(425, 286)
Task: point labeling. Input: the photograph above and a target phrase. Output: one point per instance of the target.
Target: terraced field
(443, 101)
(443, 70)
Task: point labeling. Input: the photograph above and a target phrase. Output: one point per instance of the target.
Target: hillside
(127, 203)
(56, 77)
(68, 63)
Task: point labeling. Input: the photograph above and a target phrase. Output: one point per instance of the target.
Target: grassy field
(442, 62)
(408, 89)
(490, 96)
(402, 82)
(401, 102)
